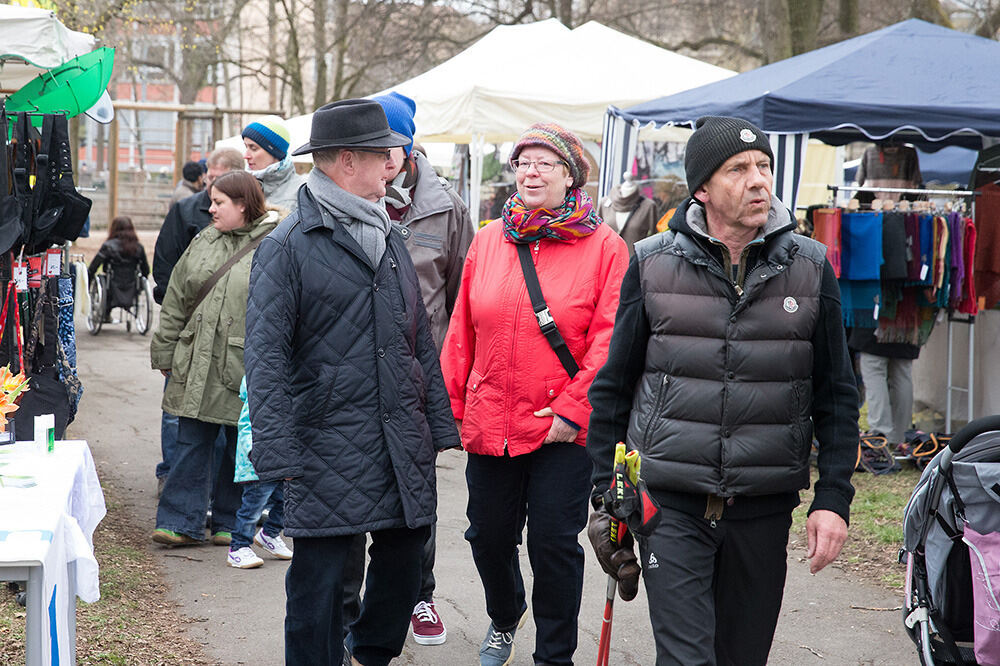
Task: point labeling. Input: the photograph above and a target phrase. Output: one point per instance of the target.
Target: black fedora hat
(351, 123)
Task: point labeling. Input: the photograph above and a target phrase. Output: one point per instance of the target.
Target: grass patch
(133, 623)
(876, 532)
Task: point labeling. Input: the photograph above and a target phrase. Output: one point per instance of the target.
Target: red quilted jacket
(497, 365)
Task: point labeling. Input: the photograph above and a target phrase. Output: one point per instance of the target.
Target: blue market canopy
(928, 85)
(916, 77)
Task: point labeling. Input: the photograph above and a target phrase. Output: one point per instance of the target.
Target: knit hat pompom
(271, 134)
(562, 142)
(399, 110)
(715, 140)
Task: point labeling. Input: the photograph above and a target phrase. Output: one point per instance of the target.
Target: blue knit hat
(271, 134)
(399, 110)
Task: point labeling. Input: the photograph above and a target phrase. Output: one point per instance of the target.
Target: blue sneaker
(497, 648)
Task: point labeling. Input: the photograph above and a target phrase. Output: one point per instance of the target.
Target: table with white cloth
(50, 504)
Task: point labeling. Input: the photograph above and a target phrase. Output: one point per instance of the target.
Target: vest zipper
(656, 409)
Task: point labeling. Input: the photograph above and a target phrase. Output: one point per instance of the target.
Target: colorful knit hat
(716, 139)
(271, 134)
(562, 142)
(399, 110)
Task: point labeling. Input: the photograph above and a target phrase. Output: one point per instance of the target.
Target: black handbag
(75, 206)
(11, 225)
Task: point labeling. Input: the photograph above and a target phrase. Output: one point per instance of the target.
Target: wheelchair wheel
(95, 318)
(144, 307)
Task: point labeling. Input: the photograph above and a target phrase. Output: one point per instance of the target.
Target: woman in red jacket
(523, 417)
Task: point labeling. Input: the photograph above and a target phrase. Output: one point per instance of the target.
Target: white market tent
(32, 41)
(519, 75)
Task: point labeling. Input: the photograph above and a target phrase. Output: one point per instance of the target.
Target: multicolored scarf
(575, 218)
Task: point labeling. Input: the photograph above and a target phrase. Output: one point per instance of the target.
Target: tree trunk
(773, 19)
(319, 52)
(272, 54)
(340, 50)
(803, 23)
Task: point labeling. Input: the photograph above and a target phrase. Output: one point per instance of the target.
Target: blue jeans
(168, 439)
(256, 495)
(314, 587)
(550, 488)
(168, 443)
(189, 486)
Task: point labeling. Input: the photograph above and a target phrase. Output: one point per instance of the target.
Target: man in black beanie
(728, 355)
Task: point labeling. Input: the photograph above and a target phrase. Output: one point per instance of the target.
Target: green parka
(203, 349)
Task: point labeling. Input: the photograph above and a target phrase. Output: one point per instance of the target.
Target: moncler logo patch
(747, 136)
(790, 305)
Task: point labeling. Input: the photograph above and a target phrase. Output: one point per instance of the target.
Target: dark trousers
(714, 592)
(314, 588)
(549, 488)
(200, 477)
(354, 575)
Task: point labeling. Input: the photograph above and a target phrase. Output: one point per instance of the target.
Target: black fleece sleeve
(170, 245)
(835, 404)
(611, 392)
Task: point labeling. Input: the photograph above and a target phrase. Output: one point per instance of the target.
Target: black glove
(617, 559)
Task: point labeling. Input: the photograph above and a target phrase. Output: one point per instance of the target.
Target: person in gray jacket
(347, 403)
(266, 140)
(438, 232)
(728, 355)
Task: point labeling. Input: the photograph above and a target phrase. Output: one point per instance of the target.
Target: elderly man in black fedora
(345, 391)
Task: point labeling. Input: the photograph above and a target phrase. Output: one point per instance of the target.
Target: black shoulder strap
(542, 314)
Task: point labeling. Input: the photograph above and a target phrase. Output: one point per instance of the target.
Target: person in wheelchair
(122, 257)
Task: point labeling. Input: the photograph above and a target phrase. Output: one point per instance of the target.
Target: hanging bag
(11, 225)
(542, 314)
(75, 206)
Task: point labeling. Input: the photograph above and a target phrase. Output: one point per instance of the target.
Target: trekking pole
(604, 644)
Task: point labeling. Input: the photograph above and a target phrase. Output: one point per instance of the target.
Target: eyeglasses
(384, 152)
(542, 166)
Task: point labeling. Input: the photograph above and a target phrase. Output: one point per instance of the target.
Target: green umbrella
(70, 88)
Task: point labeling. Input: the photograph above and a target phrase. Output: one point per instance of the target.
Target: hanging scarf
(575, 218)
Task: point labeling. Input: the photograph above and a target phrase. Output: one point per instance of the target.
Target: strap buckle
(544, 318)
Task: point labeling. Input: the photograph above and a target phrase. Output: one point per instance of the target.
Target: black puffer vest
(724, 402)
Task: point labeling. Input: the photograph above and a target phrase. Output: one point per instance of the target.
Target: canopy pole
(476, 148)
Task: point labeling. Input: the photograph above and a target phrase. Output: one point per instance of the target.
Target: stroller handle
(972, 429)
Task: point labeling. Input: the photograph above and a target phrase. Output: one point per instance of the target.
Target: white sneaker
(244, 558)
(273, 545)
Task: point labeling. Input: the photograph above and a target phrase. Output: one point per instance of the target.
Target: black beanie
(715, 140)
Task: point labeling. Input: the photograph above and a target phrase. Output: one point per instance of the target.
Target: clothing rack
(969, 389)
(904, 190)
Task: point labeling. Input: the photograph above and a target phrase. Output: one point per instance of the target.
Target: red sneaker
(428, 629)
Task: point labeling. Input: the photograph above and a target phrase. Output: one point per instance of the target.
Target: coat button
(381, 352)
(375, 286)
(725, 433)
(552, 392)
(198, 318)
(385, 417)
(731, 375)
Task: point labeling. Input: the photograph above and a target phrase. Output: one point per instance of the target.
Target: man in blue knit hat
(438, 232)
(266, 140)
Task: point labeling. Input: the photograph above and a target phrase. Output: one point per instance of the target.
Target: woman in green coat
(199, 345)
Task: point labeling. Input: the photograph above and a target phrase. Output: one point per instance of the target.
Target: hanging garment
(861, 240)
(969, 303)
(66, 351)
(911, 222)
(987, 261)
(926, 222)
(957, 243)
(894, 266)
(826, 229)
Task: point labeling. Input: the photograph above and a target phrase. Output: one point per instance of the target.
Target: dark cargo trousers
(714, 592)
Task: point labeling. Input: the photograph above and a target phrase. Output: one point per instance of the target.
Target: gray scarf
(366, 221)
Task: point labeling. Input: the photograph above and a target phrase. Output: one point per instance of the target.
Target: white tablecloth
(50, 504)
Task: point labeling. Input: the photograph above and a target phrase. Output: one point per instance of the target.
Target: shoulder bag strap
(222, 270)
(542, 314)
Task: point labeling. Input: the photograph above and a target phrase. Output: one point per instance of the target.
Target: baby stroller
(951, 547)
(109, 291)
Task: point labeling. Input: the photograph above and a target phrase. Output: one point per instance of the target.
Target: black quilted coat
(345, 390)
